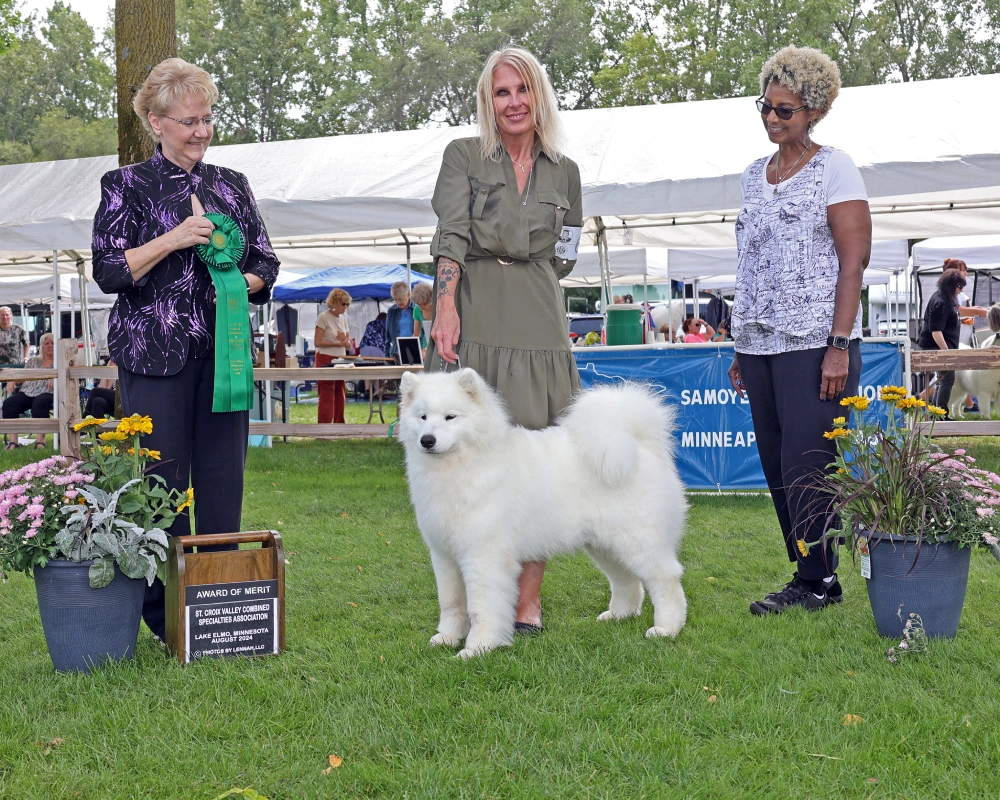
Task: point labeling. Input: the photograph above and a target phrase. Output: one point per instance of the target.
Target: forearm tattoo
(448, 273)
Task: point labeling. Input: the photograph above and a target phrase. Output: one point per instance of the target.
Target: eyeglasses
(783, 112)
(346, 305)
(208, 121)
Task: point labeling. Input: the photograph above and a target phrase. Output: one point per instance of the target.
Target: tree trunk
(145, 35)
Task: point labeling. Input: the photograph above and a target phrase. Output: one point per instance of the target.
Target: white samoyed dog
(490, 495)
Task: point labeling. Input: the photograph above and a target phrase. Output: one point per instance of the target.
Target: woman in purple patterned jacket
(162, 329)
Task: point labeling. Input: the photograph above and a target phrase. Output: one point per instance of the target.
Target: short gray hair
(421, 293)
(7, 309)
(399, 288)
(45, 336)
(810, 73)
(168, 82)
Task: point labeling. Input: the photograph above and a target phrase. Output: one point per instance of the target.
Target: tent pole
(56, 329)
(409, 270)
(85, 314)
(645, 306)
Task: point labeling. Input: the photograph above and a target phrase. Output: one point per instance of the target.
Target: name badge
(569, 243)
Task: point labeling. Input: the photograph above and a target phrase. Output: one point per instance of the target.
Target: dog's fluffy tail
(611, 423)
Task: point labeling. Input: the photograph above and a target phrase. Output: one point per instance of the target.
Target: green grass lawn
(736, 707)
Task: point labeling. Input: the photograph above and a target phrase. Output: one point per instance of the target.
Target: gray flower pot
(85, 627)
(934, 588)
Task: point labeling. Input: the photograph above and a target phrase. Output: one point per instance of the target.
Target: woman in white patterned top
(803, 239)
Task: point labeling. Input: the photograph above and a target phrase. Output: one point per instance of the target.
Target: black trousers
(100, 403)
(198, 448)
(19, 402)
(942, 392)
(789, 421)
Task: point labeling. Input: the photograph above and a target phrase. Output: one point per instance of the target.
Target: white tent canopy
(928, 152)
(975, 251)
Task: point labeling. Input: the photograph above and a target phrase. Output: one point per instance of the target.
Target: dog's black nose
(427, 441)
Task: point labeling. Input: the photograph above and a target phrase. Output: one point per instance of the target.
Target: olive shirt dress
(509, 300)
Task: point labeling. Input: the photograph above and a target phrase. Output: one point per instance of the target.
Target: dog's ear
(473, 384)
(406, 384)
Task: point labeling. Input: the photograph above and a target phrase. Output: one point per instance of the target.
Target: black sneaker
(796, 593)
(973, 409)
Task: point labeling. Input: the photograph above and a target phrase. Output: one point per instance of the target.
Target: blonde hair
(167, 82)
(810, 73)
(544, 105)
(421, 293)
(41, 341)
(337, 296)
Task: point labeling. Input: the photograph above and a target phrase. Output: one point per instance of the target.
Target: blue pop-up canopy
(372, 282)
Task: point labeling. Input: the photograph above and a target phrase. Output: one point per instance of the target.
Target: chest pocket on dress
(484, 202)
(553, 207)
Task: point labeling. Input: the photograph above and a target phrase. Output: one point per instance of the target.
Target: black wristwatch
(840, 342)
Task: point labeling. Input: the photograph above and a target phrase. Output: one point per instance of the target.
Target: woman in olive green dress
(509, 213)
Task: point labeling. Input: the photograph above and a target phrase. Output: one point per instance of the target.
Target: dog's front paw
(466, 653)
(657, 632)
(604, 616)
(442, 640)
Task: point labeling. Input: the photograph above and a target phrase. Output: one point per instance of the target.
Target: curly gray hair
(811, 74)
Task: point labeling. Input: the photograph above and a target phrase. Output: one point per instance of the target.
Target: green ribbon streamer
(233, 366)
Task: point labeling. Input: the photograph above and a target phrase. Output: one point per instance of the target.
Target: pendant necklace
(515, 163)
(779, 178)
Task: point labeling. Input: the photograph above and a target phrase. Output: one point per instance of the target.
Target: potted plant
(913, 511)
(90, 533)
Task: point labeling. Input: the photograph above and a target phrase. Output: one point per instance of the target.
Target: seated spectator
(696, 330)
(35, 396)
(722, 334)
(101, 400)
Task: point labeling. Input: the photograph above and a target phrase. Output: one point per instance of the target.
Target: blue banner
(716, 446)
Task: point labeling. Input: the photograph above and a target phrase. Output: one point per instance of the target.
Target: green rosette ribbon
(233, 365)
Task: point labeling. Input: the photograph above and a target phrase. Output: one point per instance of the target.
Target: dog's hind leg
(662, 579)
(626, 588)
(491, 584)
(454, 623)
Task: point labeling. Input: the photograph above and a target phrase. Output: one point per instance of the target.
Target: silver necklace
(515, 163)
(779, 178)
(527, 187)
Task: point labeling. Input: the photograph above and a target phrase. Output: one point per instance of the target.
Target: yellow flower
(188, 499)
(107, 450)
(88, 422)
(907, 402)
(841, 471)
(112, 436)
(892, 393)
(136, 424)
(153, 454)
(840, 421)
(131, 451)
(921, 404)
(936, 410)
(835, 433)
(857, 402)
(799, 543)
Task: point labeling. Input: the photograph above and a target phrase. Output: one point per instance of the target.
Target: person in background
(161, 332)
(941, 329)
(13, 339)
(504, 200)
(696, 331)
(331, 342)
(966, 315)
(803, 240)
(101, 400)
(423, 312)
(399, 319)
(722, 334)
(35, 396)
(376, 334)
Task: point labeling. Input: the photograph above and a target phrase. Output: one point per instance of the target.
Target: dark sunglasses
(783, 112)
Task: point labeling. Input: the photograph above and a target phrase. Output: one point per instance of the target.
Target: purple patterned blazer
(168, 315)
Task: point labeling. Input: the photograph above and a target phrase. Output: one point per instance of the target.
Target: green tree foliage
(295, 68)
(55, 91)
(260, 53)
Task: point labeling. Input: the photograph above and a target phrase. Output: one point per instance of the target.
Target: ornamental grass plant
(106, 509)
(890, 479)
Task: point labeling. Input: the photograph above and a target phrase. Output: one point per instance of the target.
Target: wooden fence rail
(67, 377)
